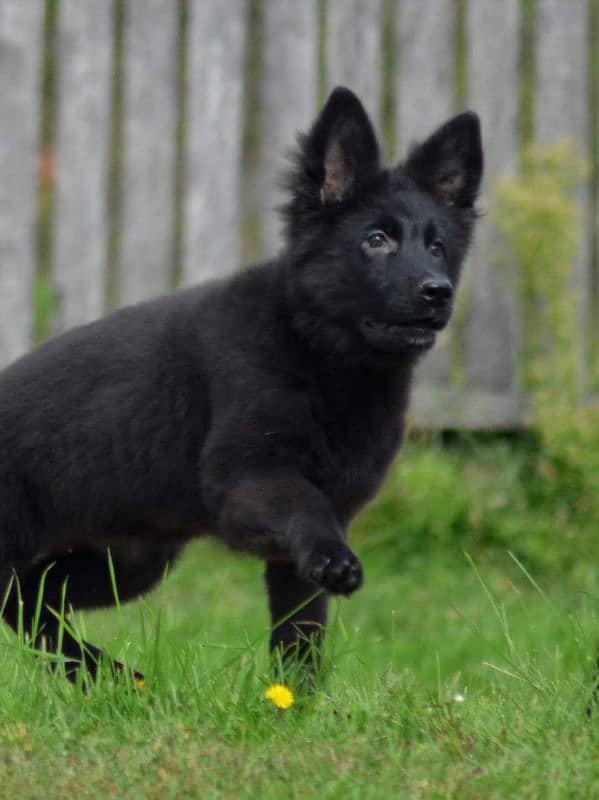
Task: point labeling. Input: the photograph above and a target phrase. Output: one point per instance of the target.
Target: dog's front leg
(286, 515)
(285, 512)
(298, 612)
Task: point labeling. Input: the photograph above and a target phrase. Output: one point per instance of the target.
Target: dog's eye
(376, 239)
(378, 245)
(436, 249)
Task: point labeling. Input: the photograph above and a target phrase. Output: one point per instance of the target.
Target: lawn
(461, 669)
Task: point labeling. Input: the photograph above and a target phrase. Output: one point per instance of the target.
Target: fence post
(20, 50)
(354, 51)
(492, 332)
(289, 84)
(562, 111)
(84, 46)
(149, 128)
(214, 123)
(424, 39)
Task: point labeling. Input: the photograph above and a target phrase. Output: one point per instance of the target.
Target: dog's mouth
(414, 337)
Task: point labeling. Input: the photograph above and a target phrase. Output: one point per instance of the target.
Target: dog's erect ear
(341, 152)
(449, 164)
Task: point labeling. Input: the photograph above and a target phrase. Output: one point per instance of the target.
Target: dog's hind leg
(298, 611)
(79, 580)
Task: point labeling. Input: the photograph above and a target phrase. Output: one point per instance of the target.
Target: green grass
(460, 670)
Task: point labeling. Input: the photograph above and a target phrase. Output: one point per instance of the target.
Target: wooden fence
(147, 135)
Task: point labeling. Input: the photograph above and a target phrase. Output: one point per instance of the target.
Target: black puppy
(263, 409)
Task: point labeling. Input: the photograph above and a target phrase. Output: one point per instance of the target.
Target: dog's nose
(436, 292)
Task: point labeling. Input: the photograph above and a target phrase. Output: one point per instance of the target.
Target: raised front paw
(333, 566)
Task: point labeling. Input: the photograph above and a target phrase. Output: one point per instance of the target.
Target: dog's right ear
(336, 158)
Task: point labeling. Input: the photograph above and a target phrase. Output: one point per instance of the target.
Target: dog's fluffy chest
(363, 432)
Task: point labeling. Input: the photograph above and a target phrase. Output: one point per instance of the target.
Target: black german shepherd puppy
(262, 409)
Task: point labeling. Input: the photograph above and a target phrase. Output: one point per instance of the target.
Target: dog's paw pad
(334, 567)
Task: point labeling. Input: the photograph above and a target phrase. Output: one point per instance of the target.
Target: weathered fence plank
(21, 24)
(149, 139)
(354, 52)
(474, 409)
(424, 35)
(424, 98)
(84, 47)
(492, 332)
(562, 111)
(290, 38)
(561, 103)
(212, 238)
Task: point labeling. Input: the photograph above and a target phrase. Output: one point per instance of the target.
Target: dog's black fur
(263, 409)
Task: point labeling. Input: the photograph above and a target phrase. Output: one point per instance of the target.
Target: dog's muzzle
(394, 338)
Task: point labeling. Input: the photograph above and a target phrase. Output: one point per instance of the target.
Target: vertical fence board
(289, 97)
(354, 52)
(84, 47)
(20, 50)
(425, 68)
(214, 102)
(424, 98)
(149, 125)
(562, 111)
(492, 332)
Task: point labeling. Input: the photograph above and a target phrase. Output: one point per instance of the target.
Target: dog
(263, 409)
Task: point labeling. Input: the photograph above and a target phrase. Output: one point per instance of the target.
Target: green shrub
(538, 216)
(484, 495)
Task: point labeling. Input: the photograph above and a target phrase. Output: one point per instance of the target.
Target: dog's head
(374, 254)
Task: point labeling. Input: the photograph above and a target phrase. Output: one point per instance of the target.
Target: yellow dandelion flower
(279, 695)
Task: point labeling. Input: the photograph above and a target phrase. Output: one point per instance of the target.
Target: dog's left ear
(449, 164)
(341, 152)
